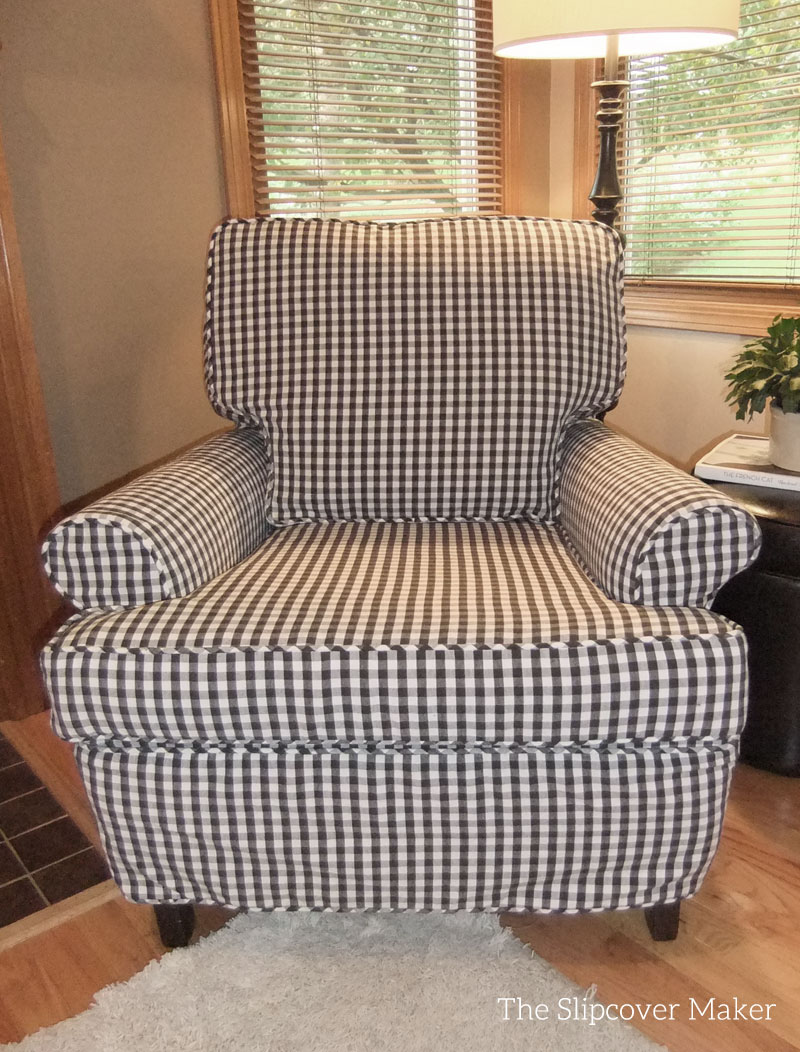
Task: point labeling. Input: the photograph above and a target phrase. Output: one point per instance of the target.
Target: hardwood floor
(740, 937)
(55, 972)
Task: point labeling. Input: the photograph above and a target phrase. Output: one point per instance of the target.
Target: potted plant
(768, 369)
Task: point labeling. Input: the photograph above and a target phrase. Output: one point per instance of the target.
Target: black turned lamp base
(662, 921)
(606, 193)
(175, 924)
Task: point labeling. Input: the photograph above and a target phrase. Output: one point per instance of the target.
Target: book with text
(745, 459)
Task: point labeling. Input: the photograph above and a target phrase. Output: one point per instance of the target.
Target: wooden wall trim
(28, 489)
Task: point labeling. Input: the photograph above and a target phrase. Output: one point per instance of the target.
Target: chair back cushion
(413, 370)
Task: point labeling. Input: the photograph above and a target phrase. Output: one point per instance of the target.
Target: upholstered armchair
(420, 632)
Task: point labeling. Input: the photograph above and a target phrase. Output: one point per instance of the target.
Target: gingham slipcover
(168, 532)
(360, 693)
(499, 690)
(420, 370)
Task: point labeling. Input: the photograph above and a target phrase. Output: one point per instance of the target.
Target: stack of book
(745, 459)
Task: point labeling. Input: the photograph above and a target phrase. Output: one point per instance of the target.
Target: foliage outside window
(389, 109)
(711, 156)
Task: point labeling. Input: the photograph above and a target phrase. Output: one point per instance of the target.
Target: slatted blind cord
(390, 110)
(710, 156)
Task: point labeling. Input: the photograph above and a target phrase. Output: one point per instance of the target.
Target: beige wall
(674, 396)
(108, 115)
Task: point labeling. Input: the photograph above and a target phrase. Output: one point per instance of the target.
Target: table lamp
(614, 28)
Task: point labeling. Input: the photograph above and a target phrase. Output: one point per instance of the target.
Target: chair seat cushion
(478, 633)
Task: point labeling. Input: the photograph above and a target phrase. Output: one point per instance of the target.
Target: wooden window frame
(232, 105)
(232, 108)
(709, 307)
(745, 309)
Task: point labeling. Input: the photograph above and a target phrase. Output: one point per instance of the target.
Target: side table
(765, 601)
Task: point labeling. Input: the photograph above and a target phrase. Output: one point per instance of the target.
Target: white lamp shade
(578, 28)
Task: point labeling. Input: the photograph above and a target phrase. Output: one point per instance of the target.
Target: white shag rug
(340, 983)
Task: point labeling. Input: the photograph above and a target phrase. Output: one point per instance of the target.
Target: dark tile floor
(44, 857)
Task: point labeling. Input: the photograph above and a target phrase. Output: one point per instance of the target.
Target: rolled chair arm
(645, 531)
(168, 532)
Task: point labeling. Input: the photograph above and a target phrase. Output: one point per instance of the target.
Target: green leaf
(767, 368)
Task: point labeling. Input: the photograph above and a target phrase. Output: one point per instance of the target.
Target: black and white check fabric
(404, 715)
(400, 632)
(647, 532)
(542, 828)
(454, 632)
(415, 370)
(168, 532)
(425, 689)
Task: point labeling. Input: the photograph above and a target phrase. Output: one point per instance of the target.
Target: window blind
(389, 109)
(710, 156)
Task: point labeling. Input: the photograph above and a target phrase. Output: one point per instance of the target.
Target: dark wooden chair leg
(663, 921)
(175, 923)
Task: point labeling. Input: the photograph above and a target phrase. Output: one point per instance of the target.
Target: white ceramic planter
(784, 439)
